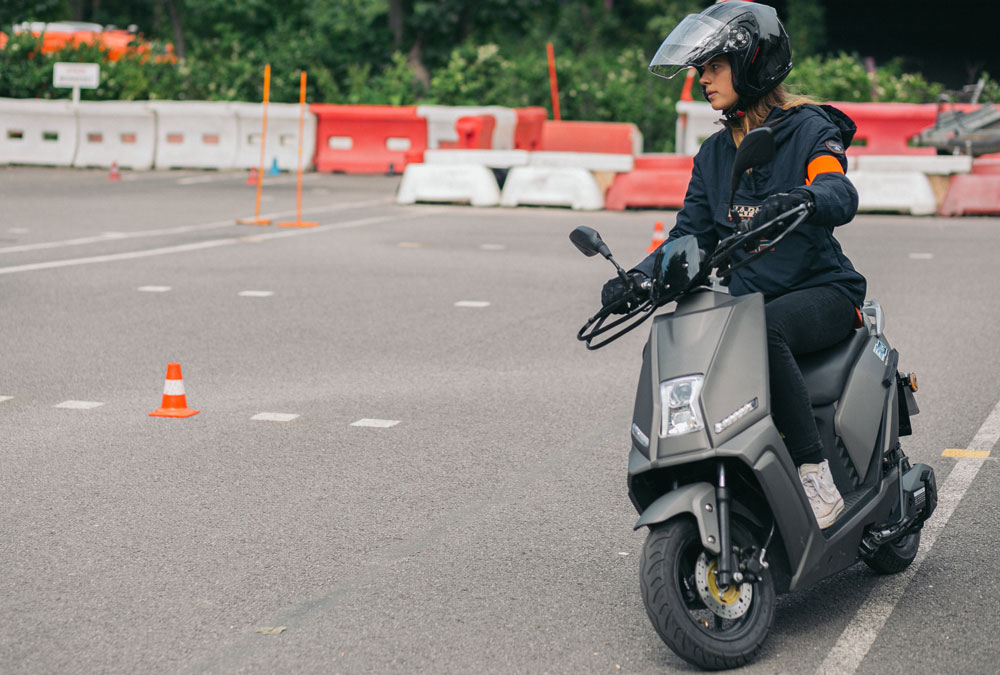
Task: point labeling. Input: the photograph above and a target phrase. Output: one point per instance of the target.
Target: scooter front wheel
(711, 627)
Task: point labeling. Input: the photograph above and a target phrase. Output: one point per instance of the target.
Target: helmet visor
(694, 41)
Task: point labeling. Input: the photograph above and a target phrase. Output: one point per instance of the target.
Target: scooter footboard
(698, 499)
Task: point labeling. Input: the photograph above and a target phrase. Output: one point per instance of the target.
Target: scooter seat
(826, 371)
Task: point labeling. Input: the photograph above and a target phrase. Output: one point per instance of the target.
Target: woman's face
(717, 80)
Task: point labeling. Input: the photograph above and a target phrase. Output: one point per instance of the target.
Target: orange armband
(822, 164)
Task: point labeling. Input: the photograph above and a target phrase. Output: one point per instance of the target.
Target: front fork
(730, 569)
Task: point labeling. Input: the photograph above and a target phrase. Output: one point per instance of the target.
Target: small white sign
(82, 75)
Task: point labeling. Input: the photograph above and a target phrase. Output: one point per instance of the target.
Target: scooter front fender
(698, 499)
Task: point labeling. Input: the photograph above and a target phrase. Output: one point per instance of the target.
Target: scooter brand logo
(735, 416)
(881, 350)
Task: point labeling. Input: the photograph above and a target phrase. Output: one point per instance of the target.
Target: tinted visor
(694, 41)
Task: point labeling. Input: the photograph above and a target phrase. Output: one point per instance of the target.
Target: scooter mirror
(589, 242)
(757, 148)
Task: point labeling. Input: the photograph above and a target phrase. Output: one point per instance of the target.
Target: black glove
(615, 290)
(778, 203)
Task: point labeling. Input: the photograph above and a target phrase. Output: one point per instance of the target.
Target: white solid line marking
(256, 294)
(193, 180)
(107, 236)
(212, 243)
(492, 247)
(274, 417)
(5, 398)
(154, 289)
(854, 643)
(472, 303)
(409, 244)
(921, 256)
(381, 424)
(78, 405)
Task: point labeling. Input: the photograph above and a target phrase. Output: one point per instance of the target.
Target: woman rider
(811, 290)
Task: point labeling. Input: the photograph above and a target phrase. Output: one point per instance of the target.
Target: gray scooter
(729, 523)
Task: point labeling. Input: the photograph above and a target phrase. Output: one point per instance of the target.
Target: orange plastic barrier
(986, 165)
(474, 132)
(657, 182)
(528, 132)
(886, 128)
(601, 137)
(367, 138)
(664, 161)
(972, 195)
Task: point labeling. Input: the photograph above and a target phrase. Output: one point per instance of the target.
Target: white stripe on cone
(173, 387)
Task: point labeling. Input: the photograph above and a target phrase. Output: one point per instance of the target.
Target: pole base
(297, 223)
(253, 221)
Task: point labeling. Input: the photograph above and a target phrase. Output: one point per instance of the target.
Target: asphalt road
(488, 530)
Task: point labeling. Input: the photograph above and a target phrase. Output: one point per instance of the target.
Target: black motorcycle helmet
(749, 33)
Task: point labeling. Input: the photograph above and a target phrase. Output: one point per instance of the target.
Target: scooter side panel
(860, 409)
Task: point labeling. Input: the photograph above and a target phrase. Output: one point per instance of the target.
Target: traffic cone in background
(688, 82)
(252, 177)
(275, 171)
(174, 401)
(657, 237)
(114, 174)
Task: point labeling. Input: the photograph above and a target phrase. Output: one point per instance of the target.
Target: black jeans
(798, 323)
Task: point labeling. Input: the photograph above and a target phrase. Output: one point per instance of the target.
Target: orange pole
(553, 85)
(298, 187)
(263, 139)
(257, 220)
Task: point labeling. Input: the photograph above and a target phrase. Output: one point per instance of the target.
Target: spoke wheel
(711, 627)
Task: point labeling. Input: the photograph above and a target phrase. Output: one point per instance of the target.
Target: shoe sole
(830, 518)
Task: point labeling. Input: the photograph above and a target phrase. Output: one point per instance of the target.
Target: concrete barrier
(494, 159)
(120, 132)
(551, 186)
(282, 143)
(34, 131)
(441, 122)
(696, 121)
(591, 161)
(941, 165)
(894, 191)
(472, 184)
(194, 134)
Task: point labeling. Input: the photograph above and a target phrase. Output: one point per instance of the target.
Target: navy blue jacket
(808, 141)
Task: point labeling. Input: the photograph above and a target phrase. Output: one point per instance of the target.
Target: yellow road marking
(966, 454)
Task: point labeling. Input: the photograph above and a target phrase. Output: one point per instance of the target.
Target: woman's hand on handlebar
(620, 298)
(780, 203)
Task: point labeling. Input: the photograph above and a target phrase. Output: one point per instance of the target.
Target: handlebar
(595, 325)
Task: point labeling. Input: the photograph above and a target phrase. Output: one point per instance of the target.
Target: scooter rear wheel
(674, 604)
(895, 556)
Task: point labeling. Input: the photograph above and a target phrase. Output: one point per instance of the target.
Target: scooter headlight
(681, 411)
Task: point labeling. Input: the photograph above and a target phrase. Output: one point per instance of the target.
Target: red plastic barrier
(970, 195)
(886, 128)
(986, 165)
(664, 161)
(528, 132)
(367, 138)
(602, 137)
(651, 189)
(474, 132)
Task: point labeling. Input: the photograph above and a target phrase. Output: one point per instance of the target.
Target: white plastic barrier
(282, 144)
(552, 186)
(935, 165)
(195, 134)
(696, 121)
(116, 131)
(494, 159)
(35, 131)
(894, 191)
(472, 184)
(591, 161)
(441, 123)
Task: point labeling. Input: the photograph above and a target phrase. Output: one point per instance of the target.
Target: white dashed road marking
(5, 398)
(78, 405)
(854, 643)
(493, 247)
(153, 289)
(381, 424)
(274, 417)
(256, 294)
(472, 303)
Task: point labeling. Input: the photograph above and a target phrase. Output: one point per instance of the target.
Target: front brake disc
(730, 602)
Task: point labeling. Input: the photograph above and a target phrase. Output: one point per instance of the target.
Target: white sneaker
(824, 497)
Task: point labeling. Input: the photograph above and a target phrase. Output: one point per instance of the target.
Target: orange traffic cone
(174, 401)
(114, 174)
(252, 177)
(657, 237)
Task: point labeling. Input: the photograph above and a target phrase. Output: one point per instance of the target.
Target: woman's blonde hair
(754, 116)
